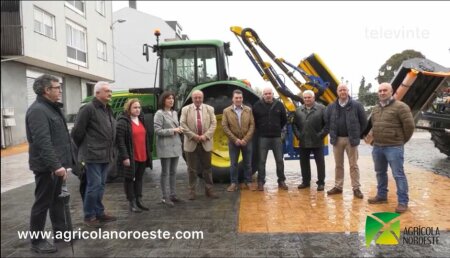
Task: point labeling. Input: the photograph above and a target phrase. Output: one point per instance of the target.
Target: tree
(361, 91)
(386, 71)
(366, 97)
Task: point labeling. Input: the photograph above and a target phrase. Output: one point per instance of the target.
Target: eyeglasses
(57, 87)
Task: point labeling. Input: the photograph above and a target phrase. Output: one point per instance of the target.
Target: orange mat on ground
(307, 210)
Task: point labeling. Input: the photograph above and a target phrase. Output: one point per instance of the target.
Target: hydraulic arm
(325, 89)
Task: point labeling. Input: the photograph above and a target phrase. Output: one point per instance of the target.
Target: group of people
(96, 133)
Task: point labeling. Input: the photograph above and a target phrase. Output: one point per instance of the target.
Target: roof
(217, 43)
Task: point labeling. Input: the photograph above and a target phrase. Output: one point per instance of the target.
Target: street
(272, 223)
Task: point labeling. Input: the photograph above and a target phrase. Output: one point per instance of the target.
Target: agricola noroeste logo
(379, 220)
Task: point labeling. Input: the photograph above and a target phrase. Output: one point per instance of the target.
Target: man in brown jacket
(239, 126)
(393, 126)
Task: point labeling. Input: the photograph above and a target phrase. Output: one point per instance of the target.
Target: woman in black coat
(134, 142)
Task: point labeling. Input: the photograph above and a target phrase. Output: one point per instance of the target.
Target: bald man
(199, 123)
(346, 119)
(270, 118)
(392, 126)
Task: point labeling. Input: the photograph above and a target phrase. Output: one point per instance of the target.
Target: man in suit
(199, 123)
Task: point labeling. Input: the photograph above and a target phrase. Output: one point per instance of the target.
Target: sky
(353, 38)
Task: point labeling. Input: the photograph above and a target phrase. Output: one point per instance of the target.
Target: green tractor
(185, 66)
(119, 98)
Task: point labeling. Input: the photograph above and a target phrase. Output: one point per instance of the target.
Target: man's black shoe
(302, 186)
(43, 247)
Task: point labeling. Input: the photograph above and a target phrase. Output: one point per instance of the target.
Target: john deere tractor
(185, 66)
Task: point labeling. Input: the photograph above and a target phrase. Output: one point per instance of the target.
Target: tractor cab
(187, 64)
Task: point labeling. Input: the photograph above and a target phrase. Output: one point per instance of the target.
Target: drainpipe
(3, 128)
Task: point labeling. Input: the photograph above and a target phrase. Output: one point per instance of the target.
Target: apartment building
(137, 28)
(71, 40)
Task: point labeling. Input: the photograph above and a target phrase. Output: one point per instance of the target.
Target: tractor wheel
(220, 157)
(220, 98)
(441, 139)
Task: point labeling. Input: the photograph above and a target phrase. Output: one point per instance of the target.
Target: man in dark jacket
(310, 130)
(50, 154)
(270, 117)
(94, 133)
(346, 120)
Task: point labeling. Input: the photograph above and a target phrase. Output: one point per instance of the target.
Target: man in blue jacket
(50, 154)
(346, 120)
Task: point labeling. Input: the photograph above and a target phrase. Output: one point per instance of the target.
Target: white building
(68, 39)
(131, 68)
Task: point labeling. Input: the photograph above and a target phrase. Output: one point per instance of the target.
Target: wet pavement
(296, 223)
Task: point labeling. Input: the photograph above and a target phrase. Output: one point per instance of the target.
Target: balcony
(11, 29)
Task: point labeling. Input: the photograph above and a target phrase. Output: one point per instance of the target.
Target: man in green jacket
(393, 126)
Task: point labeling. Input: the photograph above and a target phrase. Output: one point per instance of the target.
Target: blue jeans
(96, 174)
(247, 159)
(392, 155)
(274, 144)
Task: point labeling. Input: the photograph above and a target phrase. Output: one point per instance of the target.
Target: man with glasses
(94, 133)
(50, 154)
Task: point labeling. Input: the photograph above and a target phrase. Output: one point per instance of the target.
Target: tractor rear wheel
(441, 139)
(220, 157)
(219, 97)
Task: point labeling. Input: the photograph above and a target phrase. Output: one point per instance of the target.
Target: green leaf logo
(378, 221)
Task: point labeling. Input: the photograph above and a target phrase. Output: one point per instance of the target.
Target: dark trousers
(48, 187)
(274, 144)
(306, 166)
(133, 187)
(234, 152)
(199, 159)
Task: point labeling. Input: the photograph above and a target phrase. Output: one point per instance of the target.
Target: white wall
(53, 53)
(131, 68)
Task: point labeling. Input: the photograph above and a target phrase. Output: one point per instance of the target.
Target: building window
(101, 49)
(44, 23)
(76, 44)
(100, 7)
(77, 6)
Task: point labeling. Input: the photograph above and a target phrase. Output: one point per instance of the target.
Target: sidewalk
(229, 223)
(15, 172)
